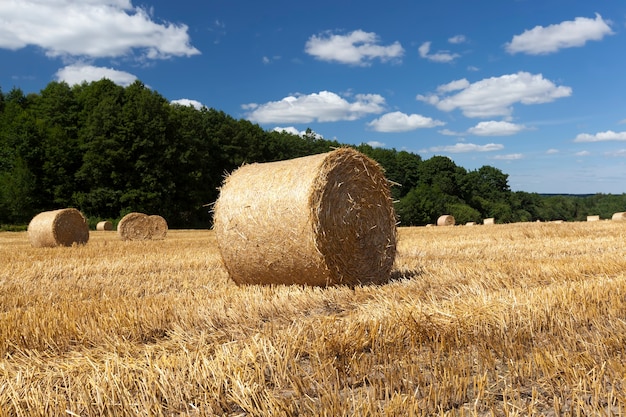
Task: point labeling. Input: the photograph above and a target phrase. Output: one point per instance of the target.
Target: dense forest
(109, 150)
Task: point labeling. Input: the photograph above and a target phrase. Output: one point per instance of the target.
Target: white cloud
(439, 56)
(457, 39)
(508, 157)
(400, 122)
(455, 85)
(494, 128)
(376, 144)
(76, 74)
(568, 34)
(92, 28)
(552, 151)
(609, 135)
(468, 147)
(324, 106)
(289, 129)
(448, 132)
(583, 153)
(495, 96)
(619, 153)
(355, 48)
(292, 130)
(188, 102)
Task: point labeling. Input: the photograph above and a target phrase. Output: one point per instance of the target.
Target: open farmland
(520, 319)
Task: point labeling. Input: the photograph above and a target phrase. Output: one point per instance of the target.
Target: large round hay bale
(140, 226)
(619, 217)
(62, 227)
(318, 220)
(104, 225)
(445, 220)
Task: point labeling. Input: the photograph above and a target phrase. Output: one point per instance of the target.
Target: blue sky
(536, 88)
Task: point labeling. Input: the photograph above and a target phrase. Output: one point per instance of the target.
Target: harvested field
(522, 319)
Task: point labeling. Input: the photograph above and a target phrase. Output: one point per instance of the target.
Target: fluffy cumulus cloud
(495, 96)
(401, 122)
(467, 147)
(494, 128)
(439, 56)
(78, 73)
(90, 29)
(188, 102)
(609, 135)
(355, 48)
(572, 33)
(324, 106)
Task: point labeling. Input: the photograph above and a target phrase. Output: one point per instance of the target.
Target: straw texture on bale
(62, 227)
(489, 220)
(104, 225)
(445, 220)
(318, 220)
(159, 227)
(140, 226)
(593, 218)
(619, 217)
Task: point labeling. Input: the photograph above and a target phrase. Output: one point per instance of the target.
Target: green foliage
(109, 150)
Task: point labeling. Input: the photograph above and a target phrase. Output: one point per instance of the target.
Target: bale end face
(64, 227)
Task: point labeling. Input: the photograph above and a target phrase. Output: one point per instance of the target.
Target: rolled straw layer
(140, 226)
(445, 220)
(318, 220)
(62, 227)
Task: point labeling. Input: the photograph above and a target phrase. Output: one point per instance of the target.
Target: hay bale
(445, 220)
(159, 227)
(318, 220)
(62, 227)
(104, 225)
(619, 217)
(470, 224)
(140, 226)
(593, 218)
(489, 220)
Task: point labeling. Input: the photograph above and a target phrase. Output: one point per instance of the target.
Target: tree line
(109, 150)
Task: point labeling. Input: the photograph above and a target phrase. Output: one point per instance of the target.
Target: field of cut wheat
(504, 320)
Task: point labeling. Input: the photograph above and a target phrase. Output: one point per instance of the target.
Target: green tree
(17, 188)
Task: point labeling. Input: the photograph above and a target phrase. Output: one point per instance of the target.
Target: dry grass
(525, 319)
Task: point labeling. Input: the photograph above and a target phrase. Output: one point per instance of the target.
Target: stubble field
(521, 319)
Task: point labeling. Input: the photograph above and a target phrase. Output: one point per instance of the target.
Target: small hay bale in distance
(319, 220)
(140, 226)
(445, 220)
(593, 218)
(104, 225)
(489, 221)
(619, 217)
(63, 227)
